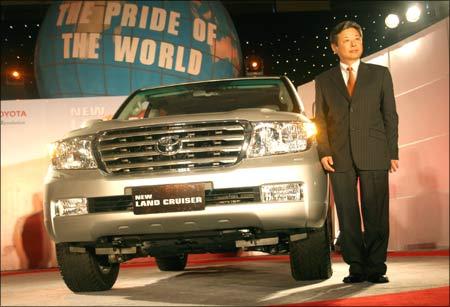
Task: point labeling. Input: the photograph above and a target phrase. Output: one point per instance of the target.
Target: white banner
(27, 128)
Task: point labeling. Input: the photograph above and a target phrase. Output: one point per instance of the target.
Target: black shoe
(378, 279)
(354, 278)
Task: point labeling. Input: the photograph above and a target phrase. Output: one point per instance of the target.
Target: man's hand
(327, 163)
(394, 166)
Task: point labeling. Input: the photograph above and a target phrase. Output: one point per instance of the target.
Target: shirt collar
(355, 66)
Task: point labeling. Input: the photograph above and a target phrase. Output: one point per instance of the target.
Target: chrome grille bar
(119, 167)
(125, 145)
(112, 157)
(169, 131)
(234, 137)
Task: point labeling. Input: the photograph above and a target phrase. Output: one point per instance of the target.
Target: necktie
(351, 81)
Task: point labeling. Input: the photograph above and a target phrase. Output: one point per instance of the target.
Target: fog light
(71, 206)
(282, 192)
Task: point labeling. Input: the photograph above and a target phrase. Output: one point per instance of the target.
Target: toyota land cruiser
(203, 167)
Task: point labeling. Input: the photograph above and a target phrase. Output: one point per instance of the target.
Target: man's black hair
(341, 27)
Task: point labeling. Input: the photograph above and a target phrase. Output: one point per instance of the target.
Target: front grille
(212, 197)
(191, 146)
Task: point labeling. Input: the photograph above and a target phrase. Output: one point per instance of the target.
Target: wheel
(172, 263)
(310, 258)
(85, 272)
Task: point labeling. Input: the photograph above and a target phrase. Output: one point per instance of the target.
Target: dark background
(290, 36)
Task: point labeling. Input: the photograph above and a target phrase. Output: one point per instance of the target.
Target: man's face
(349, 46)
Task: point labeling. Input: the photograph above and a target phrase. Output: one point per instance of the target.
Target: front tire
(172, 263)
(310, 258)
(85, 272)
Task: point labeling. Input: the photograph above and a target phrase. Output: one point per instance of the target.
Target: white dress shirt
(345, 72)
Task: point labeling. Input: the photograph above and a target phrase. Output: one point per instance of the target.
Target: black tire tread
(172, 263)
(81, 272)
(310, 258)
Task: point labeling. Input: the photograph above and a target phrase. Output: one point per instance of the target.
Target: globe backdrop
(107, 48)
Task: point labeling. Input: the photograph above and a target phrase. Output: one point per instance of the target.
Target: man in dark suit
(357, 139)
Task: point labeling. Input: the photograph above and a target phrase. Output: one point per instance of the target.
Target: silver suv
(204, 167)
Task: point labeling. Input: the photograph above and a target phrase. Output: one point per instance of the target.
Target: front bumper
(300, 167)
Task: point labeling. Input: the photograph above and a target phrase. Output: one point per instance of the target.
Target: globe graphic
(111, 48)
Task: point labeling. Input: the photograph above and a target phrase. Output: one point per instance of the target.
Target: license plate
(168, 198)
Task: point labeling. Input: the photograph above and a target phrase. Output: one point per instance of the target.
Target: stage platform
(417, 279)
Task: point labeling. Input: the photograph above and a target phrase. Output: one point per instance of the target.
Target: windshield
(206, 97)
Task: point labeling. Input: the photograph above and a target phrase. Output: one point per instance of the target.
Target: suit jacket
(362, 129)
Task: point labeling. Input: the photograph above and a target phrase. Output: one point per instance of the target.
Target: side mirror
(90, 122)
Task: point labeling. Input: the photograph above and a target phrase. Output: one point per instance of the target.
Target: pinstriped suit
(361, 135)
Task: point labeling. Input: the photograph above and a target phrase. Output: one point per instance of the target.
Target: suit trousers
(364, 252)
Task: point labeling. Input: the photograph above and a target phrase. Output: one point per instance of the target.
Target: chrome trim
(119, 167)
(214, 138)
(167, 131)
(114, 157)
(124, 145)
(118, 150)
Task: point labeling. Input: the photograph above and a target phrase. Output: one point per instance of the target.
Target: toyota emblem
(169, 145)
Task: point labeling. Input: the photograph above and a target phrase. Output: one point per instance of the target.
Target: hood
(251, 115)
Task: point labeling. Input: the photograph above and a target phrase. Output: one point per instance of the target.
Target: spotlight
(254, 66)
(392, 21)
(413, 13)
(14, 77)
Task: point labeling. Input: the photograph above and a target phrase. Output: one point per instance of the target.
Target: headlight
(270, 138)
(75, 153)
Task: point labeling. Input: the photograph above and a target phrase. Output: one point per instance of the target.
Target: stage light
(14, 77)
(413, 13)
(392, 21)
(254, 66)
